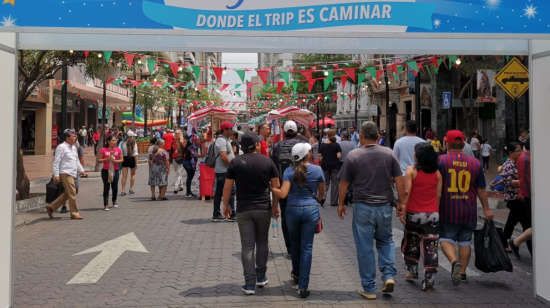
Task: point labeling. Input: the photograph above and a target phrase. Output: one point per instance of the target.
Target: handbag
(320, 223)
(53, 191)
(179, 160)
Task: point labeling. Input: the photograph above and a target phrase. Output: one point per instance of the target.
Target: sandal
(153, 198)
(410, 276)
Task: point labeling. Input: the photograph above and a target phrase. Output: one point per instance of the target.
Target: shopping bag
(53, 191)
(490, 254)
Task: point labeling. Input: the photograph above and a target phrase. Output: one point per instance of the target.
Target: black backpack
(285, 159)
(210, 160)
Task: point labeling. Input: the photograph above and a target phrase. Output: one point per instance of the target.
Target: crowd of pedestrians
(434, 187)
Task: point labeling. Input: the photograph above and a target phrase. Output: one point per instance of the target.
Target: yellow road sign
(513, 78)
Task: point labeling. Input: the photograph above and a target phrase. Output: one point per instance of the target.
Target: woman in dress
(300, 183)
(130, 153)
(159, 169)
(423, 184)
(110, 156)
(329, 154)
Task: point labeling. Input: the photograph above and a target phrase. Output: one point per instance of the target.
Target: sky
(238, 60)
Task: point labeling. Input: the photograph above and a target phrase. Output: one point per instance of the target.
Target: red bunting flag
(174, 67)
(218, 71)
(379, 75)
(224, 86)
(344, 78)
(86, 53)
(351, 73)
(263, 76)
(434, 61)
(280, 85)
(311, 84)
(307, 75)
(394, 68)
(420, 66)
(129, 58)
(249, 86)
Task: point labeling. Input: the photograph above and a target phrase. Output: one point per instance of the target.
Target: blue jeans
(188, 166)
(302, 222)
(220, 183)
(373, 223)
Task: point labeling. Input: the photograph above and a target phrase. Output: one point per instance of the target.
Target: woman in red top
(95, 138)
(421, 219)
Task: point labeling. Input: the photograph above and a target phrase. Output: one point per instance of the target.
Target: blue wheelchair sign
(446, 100)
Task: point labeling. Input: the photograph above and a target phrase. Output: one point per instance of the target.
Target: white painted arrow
(110, 252)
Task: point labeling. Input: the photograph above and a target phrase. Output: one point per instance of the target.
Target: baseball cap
(131, 134)
(453, 135)
(225, 125)
(249, 139)
(300, 150)
(290, 125)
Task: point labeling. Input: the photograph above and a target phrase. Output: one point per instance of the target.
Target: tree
(425, 99)
(37, 66)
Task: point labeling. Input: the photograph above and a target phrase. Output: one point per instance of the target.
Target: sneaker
(63, 210)
(304, 293)
(362, 292)
(463, 278)
(190, 195)
(106, 208)
(515, 249)
(389, 285)
(261, 282)
(455, 275)
(115, 205)
(131, 192)
(123, 193)
(233, 218)
(175, 192)
(218, 217)
(427, 286)
(180, 189)
(249, 290)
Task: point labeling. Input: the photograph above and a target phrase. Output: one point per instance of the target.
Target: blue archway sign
(421, 16)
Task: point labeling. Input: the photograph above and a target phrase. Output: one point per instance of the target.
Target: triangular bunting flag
(129, 59)
(379, 75)
(394, 68)
(107, 55)
(344, 78)
(196, 71)
(263, 75)
(350, 72)
(413, 65)
(311, 83)
(86, 53)
(434, 61)
(249, 86)
(286, 77)
(280, 85)
(295, 85)
(372, 71)
(218, 71)
(361, 77)
(241, 74)
(307, 75)
(151, 63)
(224, 86)
(452, 59)
(327, 83)
(174, 67)
(330, 76)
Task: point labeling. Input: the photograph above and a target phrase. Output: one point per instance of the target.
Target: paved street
(188, 261)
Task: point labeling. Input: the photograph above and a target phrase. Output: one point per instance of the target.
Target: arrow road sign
(446, 100)
(110, 252)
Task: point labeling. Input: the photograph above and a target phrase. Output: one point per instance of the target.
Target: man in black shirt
(235, 143)
(254, 175)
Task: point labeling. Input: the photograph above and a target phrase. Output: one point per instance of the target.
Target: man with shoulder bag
(223, 152)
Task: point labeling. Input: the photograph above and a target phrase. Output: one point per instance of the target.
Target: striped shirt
(462, 176)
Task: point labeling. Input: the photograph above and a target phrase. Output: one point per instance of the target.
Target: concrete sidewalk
(39, 167)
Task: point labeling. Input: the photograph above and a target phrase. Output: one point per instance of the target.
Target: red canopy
(326, 121)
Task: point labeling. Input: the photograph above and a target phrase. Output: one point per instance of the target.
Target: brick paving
(193, 262)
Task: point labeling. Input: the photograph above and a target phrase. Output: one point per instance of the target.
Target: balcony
(112, 88)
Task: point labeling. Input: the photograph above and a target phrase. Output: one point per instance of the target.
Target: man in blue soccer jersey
(463, 183)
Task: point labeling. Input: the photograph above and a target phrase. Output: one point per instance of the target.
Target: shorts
(129, 162)
(461, 233)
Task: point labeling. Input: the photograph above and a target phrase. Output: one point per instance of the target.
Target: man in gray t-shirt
(404, 147)
(370, 169)
(224, 154)
(346, 146)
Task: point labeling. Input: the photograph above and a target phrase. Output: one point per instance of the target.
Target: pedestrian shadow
(495, 284)
(199, 221)
(91, 209)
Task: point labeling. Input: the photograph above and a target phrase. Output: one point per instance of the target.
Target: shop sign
(103, 113)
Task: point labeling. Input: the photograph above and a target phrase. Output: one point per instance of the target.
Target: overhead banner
(245, 16)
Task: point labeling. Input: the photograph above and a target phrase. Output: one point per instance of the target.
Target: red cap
(225, 125)
(453, 135)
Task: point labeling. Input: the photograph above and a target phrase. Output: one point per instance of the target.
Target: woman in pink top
(423, 189)
(111, 157)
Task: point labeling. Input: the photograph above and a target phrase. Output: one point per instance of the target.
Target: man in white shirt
(354, 136)
(66, 167)
(404, 147)
(82, 136)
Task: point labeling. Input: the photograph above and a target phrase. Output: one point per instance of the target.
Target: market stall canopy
(258, 120)
(214, 112)
(302, 116)
(323, 122)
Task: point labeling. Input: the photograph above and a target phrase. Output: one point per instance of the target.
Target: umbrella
(210, 112)
(326, 120)
(302, 116)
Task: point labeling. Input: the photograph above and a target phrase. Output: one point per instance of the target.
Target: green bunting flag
(295, 85)
(413, 65)
(237, 86)
(238, 93)
(166, 85)
(400, 70)
(452, 59)
(326, 82)
(286, 77)
(360, 79)
(396, 76)
(330, 77)
(151, 63)
(186, 87)
(372, 71)
(107, 55)
(241, 74)
(196, 71)
(439, 61)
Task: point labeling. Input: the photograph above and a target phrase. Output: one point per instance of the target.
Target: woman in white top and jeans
(476, 146)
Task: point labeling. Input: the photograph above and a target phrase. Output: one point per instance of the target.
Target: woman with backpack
(329, 154)
(301, 183)
(130, 153)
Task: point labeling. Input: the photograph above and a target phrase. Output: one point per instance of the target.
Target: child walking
(421, 219)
